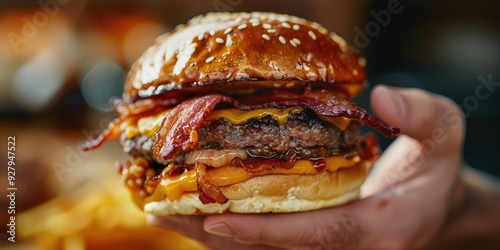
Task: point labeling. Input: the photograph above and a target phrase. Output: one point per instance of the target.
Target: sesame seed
(210, 59)
(355, 72)
(212, 32)
(266, 37)
(201, 36)
(309, 57)
(282, 40)
(238, 19)
(242, 26)
(297, 41)
(219, 40)
(228, 30)
(254, 20)
(271, 30)
(296, 27)
(293, 43)
(255, 24)
(339, 40)
(312, 35)
(286, 25)
(267, 26)
(322, 30)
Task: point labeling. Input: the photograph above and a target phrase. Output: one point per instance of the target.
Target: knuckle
(454, 111)
(430, 110)
(345, 232)
(252, 237)
(314, 238)
(453, 119)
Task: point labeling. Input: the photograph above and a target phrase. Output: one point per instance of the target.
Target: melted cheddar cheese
(174, 187)
(237, 116)
(150, 124)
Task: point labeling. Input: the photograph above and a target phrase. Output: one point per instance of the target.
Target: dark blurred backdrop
(62, 60)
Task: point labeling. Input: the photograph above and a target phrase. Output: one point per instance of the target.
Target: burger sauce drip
(369, 146)
(259, 165)
(319, 165)
(178, 169)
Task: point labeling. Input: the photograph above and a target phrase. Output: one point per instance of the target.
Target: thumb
(420, 115)
(432, 126)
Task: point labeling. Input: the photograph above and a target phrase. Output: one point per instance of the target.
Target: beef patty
(309, 136)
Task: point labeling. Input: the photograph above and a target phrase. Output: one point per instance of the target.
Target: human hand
(405, 201)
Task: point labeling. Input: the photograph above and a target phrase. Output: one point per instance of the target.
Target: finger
(428, 118)
(434, 126)
(395, 165)
(192, 227)
(306, 230)
(362, 224)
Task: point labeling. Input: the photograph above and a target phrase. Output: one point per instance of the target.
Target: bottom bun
(274, 193)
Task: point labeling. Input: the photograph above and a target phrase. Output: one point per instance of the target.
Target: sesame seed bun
(242, 49)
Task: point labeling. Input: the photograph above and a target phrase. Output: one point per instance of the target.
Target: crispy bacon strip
(142, 106)
(112, 132)
(209, 193)
(179, 128)
(138, 109)
(334, 107)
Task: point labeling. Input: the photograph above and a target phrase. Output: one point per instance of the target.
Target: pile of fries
(98, 216)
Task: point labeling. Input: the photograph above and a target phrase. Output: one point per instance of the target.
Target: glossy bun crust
(247, 48)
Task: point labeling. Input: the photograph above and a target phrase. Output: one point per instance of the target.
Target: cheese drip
(150, 124)
(174, 187)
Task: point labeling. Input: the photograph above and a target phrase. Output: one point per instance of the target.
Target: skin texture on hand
(406, 201)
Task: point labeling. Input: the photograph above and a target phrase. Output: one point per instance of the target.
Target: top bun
(247, 48)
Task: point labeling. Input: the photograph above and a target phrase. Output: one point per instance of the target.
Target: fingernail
(397, 101)
(221, 229)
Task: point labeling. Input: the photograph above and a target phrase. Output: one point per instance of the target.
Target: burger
(244, 113)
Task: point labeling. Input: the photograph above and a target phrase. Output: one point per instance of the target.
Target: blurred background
(61, 61)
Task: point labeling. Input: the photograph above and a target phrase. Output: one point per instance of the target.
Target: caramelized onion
(213, 157)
